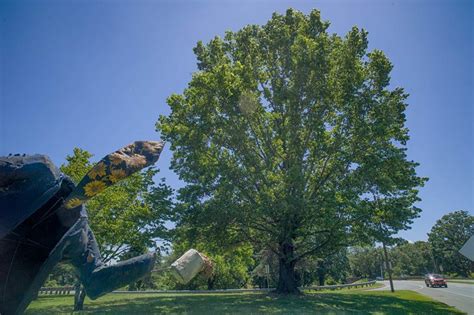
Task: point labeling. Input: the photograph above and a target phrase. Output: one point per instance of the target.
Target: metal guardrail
(192, 291)
(340, 286)
(70, 290)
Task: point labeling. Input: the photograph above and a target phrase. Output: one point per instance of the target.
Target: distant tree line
(243, 266)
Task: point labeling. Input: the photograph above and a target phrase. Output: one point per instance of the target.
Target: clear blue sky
(95, 74)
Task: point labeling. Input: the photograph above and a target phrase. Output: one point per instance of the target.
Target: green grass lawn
(343, 302)
(460, 281)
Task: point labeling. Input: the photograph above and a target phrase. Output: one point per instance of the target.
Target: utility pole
(388, 267)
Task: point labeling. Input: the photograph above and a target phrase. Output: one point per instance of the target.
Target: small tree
(129, 215)
(281, 135)
(447, 237)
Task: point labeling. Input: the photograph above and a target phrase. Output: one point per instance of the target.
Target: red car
(435, 280)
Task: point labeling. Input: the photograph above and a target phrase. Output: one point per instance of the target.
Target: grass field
(461, 281)
(342, 302)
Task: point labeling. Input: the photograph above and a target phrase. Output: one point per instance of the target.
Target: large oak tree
(284, 136)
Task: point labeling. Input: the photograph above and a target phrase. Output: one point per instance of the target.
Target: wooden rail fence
(56, 290)
(70, 290)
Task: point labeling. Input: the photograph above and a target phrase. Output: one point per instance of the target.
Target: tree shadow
(257, 303)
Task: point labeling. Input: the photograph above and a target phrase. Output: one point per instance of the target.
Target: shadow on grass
(402, 302)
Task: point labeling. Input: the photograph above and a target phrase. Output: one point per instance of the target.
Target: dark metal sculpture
(43, 220)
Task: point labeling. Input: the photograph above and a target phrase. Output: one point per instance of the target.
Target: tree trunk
(389, 268)
(321, 272)
(79, 296)
(321, 278)
(132, 286)
(210, 283)
(287, 277)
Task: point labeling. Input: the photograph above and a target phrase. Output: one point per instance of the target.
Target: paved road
(459, 295)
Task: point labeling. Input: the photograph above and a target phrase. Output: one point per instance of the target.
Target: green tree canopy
(285, 134)
(366, 262)
(130, 214)
(447, 237)
(231, 266)
(412, 259)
